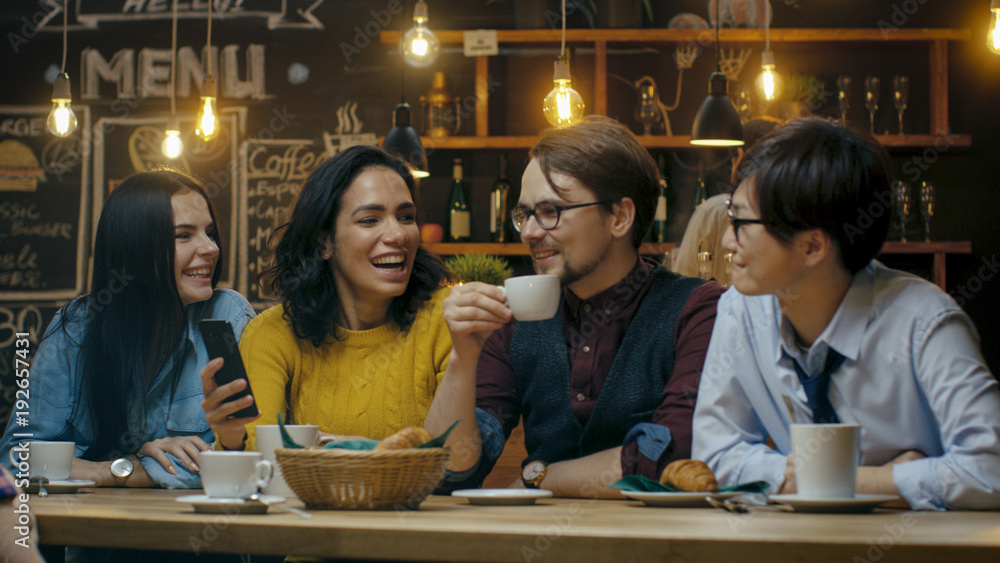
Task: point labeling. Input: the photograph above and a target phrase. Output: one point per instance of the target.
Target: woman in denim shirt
(117, 371)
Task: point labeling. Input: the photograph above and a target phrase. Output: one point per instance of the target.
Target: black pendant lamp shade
(717, 124)
(403, 141)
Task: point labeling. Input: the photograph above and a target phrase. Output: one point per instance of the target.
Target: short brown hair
(608, 159)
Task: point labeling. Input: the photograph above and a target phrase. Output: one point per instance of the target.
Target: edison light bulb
(62, 121)
(172, 145)
(563, 106)
(420, 45)
(768, 82)
(206, 126)
(993, 38)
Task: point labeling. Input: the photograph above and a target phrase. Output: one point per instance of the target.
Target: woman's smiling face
(195, 252)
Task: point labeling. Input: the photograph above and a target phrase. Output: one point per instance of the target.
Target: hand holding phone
(220, 342)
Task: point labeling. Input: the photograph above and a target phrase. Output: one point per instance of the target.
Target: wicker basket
(385, 479)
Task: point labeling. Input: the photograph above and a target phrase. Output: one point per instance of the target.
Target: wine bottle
(660, 217)
(498, 204)
(458, 207)
(700, 194)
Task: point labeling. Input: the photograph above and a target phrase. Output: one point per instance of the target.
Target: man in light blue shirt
(816, 330)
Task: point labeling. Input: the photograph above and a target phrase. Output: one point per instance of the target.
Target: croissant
(406, 438)
(689, 475)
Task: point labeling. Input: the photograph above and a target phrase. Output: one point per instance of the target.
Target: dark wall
(351, 70)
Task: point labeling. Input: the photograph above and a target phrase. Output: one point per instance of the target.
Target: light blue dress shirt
(55, 390)
(913, 379)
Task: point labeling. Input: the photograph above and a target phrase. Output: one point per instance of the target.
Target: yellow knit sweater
(372, 383)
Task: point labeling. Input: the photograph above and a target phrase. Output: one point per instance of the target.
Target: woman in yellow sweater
(359, 345)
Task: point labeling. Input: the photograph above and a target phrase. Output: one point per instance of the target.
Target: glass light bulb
(768, 83)
(563, 106)
(172, 145)
(420, 46)
(207, 126)
(62, 121)
(993, 38)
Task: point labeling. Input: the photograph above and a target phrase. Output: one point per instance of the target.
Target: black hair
(609, 160)
(814, 174)
(303, 279)
(134, 317)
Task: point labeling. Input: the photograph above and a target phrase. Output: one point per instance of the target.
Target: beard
(573, 270)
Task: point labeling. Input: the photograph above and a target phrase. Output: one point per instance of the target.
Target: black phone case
(220, 341)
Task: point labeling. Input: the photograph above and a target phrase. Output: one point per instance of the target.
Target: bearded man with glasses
(607, 387)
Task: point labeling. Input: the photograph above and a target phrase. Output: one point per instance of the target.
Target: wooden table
(556, 530)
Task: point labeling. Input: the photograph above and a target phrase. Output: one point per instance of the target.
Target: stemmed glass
(647, 113)
(901, 196)
(844, 96)
(743, 104)
(927, 207)
(900, 96)
(871, 98)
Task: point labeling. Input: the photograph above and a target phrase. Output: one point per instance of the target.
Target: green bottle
(459, 227)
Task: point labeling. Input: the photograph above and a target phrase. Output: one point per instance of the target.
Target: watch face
(533, 470)
(121, 467)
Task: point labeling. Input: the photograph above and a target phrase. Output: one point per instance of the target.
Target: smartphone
(220, 341)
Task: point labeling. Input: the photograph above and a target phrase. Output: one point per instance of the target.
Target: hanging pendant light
(768, 83)
(62, 121)
(172, 146)
(207, 126)
(402, 140)
(717, 123)
(420, 46)
(563, 105)
(993, 37)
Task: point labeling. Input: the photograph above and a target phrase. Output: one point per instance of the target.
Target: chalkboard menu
(271, 173)
(19, 318)
(44, 188)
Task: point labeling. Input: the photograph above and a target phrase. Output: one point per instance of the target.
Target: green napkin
(361, 444)
(643, 484)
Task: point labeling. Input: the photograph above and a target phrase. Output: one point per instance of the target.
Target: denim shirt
(55, 390)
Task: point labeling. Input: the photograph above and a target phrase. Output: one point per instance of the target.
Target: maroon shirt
(593, 339)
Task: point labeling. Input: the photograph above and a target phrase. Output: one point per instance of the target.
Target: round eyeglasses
(545, 213)
(737, 222)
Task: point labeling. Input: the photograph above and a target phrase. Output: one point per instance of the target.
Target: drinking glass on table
(927, 207)
(900, 96)
(871, 98)
(901, 197)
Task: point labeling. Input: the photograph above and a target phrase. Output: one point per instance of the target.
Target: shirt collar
(613, 297)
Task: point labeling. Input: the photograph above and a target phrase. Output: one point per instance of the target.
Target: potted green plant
(803, 95)
(480, 267)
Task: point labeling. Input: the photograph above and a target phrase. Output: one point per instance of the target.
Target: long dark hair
(303, 279)
(135, 320)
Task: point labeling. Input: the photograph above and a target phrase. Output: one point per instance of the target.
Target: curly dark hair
(302, 278)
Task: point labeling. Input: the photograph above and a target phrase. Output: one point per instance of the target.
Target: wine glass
(901, 197)
(900, 96)
(871, 98)
(647, 113)
(927, 207)
(744, 104)
(844, 96)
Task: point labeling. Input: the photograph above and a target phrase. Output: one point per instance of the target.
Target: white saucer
(676, 499)
(502, 496)
(61, 486)
(221, 505)
(860, 503)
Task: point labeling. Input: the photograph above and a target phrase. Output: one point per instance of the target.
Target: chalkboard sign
(44, 188)
(271, 173)
(124, 145)
(26, 318)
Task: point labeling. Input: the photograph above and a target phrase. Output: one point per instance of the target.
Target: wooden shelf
(939, 250)
(519, 249)
(935, 40)
(676, 141)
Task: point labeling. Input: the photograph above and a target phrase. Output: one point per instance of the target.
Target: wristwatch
(121, 468)
(533, 473)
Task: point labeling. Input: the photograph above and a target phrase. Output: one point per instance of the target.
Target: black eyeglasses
(547, 214)
(737, 222)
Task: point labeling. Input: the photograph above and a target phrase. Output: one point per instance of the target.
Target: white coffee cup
(234, 474)
(533, 298)
(826, 459)
(52, 460)
(269, 439)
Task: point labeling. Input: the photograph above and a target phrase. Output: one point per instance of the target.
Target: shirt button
(586, 349)
(587, 308)
(607, 312)
(581, 397)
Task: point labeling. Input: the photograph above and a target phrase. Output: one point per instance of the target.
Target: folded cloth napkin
(644, 484)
